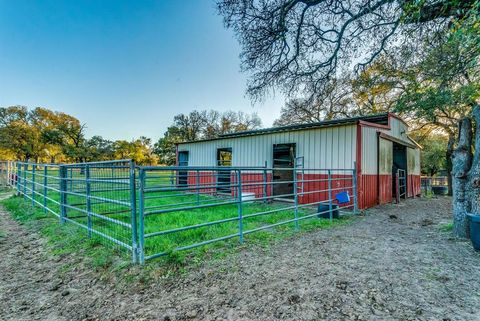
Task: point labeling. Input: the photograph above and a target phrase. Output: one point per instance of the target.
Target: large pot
(440, 190)
(324, 211)
(474, 230)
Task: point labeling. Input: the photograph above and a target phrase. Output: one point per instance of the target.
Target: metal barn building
(375, 145)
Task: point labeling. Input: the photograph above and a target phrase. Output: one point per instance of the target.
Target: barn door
(385, 165)
(224, 177)
(399, 163)
(182, 174)
(283, 163)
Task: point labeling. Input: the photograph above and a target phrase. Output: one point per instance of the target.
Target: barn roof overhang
(414, 144)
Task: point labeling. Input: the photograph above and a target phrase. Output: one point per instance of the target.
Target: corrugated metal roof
(377, 119)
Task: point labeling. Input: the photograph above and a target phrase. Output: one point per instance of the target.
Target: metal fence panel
(183, 207)
(186, 207)
(7, 174)
(98, 197)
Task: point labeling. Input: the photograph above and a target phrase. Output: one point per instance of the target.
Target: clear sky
(124, 68)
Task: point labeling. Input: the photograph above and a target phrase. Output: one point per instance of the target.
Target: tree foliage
(299, 45)
(44, 135)
(419, 58)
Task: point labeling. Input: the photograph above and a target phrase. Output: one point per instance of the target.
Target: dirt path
(380, 268)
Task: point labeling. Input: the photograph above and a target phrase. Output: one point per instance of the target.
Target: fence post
(397, 188)
(355, 189)
(198, 187)
(265, 185)
(25, 169)
(141, 239)
(34, 168)
(45, 189)
(239, 205)
(295, 193)
(63, 192)
(71, 179)
(12, 171)
(88, 189)
(19, 172)
(133, 207)
(330, 205)
(8, 174)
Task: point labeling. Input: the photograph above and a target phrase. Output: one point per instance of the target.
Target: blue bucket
(474, 230)
(342, 197)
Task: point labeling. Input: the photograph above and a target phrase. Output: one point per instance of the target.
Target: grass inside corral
(99, 254)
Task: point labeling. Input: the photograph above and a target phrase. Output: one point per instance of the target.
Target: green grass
(63, 239)
(71, 241)
(446, 227)
(67, 238)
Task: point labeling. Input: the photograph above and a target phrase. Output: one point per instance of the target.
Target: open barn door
(182, 176)
(283, 169)
(224, 177)
(399, 171)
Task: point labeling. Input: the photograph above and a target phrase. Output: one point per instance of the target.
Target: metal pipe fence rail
(401, 185)
(7, 174)
(182, 208)
(98, 197)
(151, 211)
(437, 184)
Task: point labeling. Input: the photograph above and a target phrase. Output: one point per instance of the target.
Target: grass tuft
(446, 227)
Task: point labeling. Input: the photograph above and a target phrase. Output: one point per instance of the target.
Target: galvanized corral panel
(330, 147)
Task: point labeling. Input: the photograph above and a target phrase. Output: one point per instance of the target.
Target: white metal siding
(369, 150)
(386, 157)
(369, 143)
(398, 130)
(413, 161)
(329, 147)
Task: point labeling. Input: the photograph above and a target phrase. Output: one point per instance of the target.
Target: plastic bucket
(324, 210)
(440, 190)
(474, 230)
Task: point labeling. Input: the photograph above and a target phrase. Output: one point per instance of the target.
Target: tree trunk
(466, 175)
(450, 147)
(461, 160)
(473, 186)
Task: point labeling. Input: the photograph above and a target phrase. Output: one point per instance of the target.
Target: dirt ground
(392, 264)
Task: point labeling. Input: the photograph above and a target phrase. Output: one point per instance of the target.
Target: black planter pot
(324, 210)
(474, 230)
(440, 190)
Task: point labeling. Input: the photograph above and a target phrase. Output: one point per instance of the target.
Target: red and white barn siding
(385, 164)
(376, 160)
(413, 180)
(315, 186)
(329, 147)
(333, 147)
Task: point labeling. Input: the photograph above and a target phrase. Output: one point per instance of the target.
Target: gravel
(394, 263)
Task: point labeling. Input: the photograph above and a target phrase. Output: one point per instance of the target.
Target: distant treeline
(43, 135)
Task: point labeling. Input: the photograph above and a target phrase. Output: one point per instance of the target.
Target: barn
(377, 146)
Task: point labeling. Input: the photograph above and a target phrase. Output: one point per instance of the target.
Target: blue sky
(124, 68)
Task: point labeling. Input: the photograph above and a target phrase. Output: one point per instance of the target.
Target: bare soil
(394, 263)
